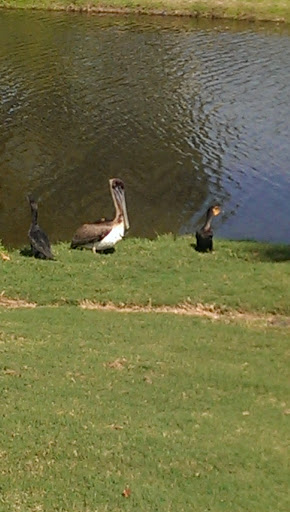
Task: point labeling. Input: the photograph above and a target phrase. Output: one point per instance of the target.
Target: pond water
(186, 112)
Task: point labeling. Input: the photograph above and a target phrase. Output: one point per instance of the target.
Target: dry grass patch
(6, 302)
(211, 311)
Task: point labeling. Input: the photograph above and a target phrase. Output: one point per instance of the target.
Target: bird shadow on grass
(194, 247)
(105, 251)
(26, 252)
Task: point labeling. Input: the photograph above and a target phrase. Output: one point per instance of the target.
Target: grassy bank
(268, 10)
(245, 276)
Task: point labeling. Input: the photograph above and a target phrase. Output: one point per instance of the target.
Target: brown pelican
(205, 235)
(104, 234)
(39, 242)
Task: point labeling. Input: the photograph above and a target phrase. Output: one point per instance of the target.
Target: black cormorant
(39, 242)
(204, 236)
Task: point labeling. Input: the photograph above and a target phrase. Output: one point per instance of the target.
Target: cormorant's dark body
(39, 242)
(204, 237)
(204, 240)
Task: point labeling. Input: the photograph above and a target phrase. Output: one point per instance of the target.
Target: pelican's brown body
(204, 237)
(104, 234)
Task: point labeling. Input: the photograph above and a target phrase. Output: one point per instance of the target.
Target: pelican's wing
(90, 233)
(40, 242)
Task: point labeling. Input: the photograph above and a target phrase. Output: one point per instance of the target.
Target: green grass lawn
(238, 275)
(191, 415)
(188, 413)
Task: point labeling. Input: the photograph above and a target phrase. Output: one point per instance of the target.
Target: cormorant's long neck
(34, 215)
(207, 224)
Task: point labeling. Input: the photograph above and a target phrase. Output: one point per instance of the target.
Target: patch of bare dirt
(118, 364)
(211, 311)
(5, 302)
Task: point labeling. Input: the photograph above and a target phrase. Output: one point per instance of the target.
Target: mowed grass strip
(186, 413)
(246, 276)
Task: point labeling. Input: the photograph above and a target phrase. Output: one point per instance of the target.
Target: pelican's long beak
(119, 194)
(126, 220)
(124, 210)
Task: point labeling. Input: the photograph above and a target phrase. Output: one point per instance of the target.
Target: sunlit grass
(189, 414)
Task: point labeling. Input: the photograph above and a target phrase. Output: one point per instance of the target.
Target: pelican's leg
(94, 249)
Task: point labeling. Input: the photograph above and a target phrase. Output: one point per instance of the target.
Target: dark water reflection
(185, 112)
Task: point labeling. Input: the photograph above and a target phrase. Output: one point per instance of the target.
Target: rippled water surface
(186, 113)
